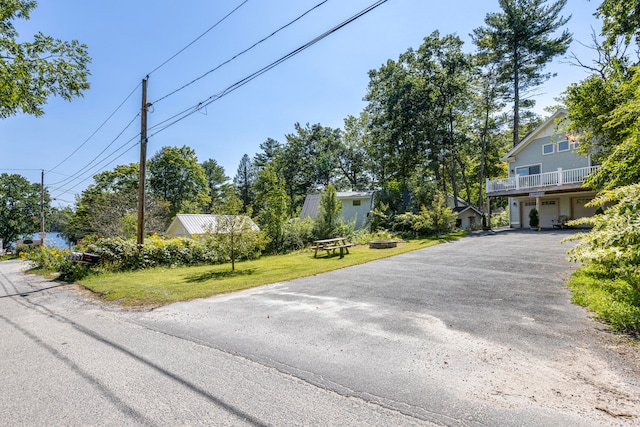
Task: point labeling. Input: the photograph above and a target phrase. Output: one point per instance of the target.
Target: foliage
(19, 207)
(614, 300)
(439, 219)
(109, 207)
(217, 182)
(534, 219)
(328, 214)
(118, 254)
(33, 71)
(621, 18)
(297, 234)
(176, 176)
(272, 205)
(56, 260)
(232, 237)
(416, 108)
(520, 41)
(244, 182)
(614, 241)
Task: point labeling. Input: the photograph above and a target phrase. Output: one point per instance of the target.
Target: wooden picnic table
(331, 245)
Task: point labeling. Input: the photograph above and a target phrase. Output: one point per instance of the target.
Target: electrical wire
(198, 38)
(70, 178)
(99, 166)
(191, 110)
(97, 130)
(217, 67)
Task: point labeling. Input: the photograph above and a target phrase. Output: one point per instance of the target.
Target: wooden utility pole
(42, 233)
(143, 163)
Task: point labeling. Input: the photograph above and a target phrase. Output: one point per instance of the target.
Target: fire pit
(382, 244)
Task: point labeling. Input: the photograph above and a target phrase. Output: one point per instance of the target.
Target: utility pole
(143, 163)
(42, 233)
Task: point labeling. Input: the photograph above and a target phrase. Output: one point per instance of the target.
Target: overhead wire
(198, 38)
(79, 172)
(127, 98)
(217, 67)
(191, 110)
(97, 130)
(100, 166)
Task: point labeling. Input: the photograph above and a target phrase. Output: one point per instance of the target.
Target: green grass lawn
(616, 301)
(161, 286)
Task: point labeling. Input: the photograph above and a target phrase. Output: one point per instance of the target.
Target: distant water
(53, 239)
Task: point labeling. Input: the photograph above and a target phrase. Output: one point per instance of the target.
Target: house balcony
(549, 182)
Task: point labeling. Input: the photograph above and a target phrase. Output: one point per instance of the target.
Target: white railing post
(560, 177)
(487, 189)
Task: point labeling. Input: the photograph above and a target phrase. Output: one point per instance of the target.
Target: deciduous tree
(19, 207)
(32, 71)
(176, 176)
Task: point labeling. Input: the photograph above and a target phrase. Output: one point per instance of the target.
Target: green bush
(298, 234)
(534, 219)
(614, 240)
(118, 254)
(56, 259)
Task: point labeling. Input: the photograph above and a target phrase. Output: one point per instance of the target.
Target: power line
(97, 130)
(198, 38)
(191, 110)
(240, 53)
(70, 178)
(90, 175)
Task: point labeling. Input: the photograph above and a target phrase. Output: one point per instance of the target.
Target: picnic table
(331, 245)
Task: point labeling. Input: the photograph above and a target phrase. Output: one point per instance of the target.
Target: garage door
(548, 212)
(579, 209)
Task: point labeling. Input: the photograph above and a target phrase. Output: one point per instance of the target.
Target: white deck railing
(547, 179)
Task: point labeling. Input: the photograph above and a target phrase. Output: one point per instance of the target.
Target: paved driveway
(476, 332)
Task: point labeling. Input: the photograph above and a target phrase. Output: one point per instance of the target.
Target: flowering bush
(614, 241)
(118, 254)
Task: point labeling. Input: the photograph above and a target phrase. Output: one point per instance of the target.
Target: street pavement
(480, 331)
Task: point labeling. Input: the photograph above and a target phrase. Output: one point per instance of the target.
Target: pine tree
(519, 40)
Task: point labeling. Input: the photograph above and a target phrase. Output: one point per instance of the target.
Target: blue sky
(324, 84)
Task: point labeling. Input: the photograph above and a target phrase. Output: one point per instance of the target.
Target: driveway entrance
(476, 332)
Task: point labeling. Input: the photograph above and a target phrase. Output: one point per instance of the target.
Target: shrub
(614, 240)
(298, 234)
(534, 220)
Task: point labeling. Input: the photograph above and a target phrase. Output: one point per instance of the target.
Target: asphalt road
(476, 332)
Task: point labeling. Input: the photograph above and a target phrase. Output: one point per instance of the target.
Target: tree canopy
(32, 71)
(520, 41)
(19, 207)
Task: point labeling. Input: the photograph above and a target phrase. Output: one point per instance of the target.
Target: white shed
(194, 225)
(355, 205)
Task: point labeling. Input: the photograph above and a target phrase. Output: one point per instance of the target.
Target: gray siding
(532, 155)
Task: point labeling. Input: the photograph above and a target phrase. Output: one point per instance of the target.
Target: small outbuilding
(195, 225)
(356, 205)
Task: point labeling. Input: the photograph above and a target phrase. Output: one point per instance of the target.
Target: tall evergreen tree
(217, 182)
(521, 41)
(244, 182)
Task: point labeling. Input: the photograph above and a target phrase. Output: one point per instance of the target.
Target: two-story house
(545, 172)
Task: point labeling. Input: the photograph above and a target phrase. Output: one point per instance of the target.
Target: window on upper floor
(547, 149)
(563, 146)
(356, 203)
(528, 170)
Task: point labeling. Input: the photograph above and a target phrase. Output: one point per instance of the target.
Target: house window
(547, 149)
(528, 170)
(563, 146)
(356, 203)
(549, 203)
(574, 145)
